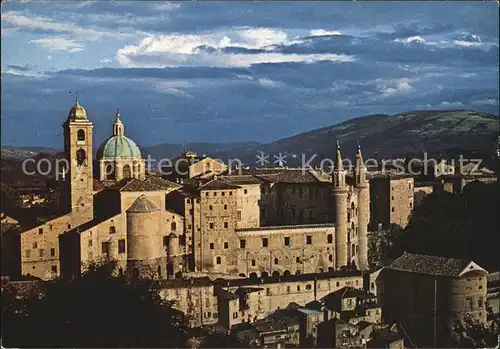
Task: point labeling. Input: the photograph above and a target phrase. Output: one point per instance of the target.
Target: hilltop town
(268, 257)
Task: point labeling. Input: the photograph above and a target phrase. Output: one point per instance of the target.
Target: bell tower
(79, 177)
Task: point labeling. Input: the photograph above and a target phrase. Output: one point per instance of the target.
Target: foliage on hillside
(456, 225)
(98, 309)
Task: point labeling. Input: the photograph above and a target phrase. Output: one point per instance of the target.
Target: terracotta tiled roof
(151, 183)
(6, 226)
(241, 179)
(293, 176)
(433, 265)
(143, 205)
(98, 185)
(218, 184)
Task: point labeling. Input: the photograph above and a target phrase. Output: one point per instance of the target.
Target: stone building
(428, 294)
(276, 222)
(391, 199)
(247, 300)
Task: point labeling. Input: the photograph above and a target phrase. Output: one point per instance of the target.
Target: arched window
(127, 172)
(353, 250)
(110, 172)
(81, 156)
(173, 226)
(218, 260)
(276, 273)
(468, 304)
(80, 135)
(275, 260)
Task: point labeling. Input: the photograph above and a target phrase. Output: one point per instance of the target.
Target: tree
(455, 225)
(98, 309)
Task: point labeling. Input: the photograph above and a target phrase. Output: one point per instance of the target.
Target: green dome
(118, 146)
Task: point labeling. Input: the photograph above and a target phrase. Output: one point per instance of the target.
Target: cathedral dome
(118, 146)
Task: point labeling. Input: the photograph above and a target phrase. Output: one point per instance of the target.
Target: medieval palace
(259, 222)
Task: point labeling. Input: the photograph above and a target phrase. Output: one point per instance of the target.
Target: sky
(238, 71)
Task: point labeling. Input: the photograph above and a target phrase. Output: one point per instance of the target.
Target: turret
(145, 254)
(363, 188)
(340, 191)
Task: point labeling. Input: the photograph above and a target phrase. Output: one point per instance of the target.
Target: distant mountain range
(439, 133)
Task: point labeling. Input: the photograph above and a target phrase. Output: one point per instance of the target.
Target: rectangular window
(298, 287)
(288, 288)
(225, 207)
(297, 259)
(226, 224)
(223, 193)
(190, 211)
(392, 209)
(226, 245)
(253, 262)
(69, 226)
(40, 231)
(242, 243)
(245, 191)
(215, 193)
(308, 287)
(105, 248)
(35, 245)
(53, 268)
(330, 238)
(211, 245)
(52, 252)
(90, 242)
(27, 253)
(287, 241)
(235, 315)
(265, 242)
(42, 252)
(309, 239)
(121, 246)
(239, 215)
(210, 207)
(211, 225)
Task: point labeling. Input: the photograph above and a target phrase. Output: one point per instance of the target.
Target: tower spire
(338, 161)
(359, 158)
(77, 99)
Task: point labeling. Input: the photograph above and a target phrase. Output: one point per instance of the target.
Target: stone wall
(40, 248)
(271, 296)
